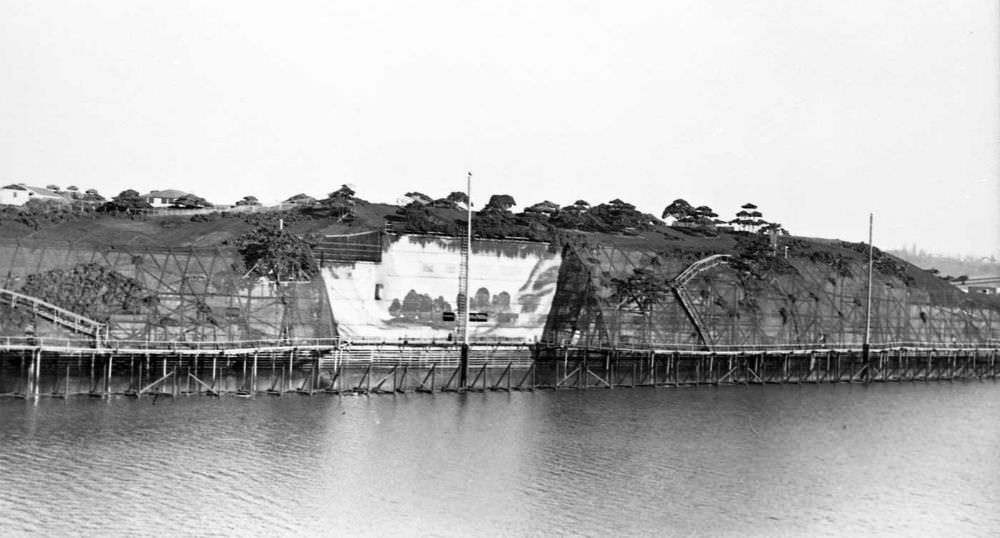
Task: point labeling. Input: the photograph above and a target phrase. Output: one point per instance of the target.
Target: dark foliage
(127, 201)
(755, 257)
(190, 201)
(276, 254)
(419, 219)
(89, 289)
(500, 202)
(642, 289)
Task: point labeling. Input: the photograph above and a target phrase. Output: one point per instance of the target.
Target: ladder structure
(463, 290)
(60, 316)
(677, 285)
(692, 314)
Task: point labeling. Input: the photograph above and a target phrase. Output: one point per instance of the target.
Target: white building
(19, 194)
(162, 198)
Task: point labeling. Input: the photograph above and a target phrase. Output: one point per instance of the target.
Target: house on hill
(20, 194)
(164, 198)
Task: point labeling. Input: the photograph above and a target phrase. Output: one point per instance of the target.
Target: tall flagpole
(468, 257)
(463, 376)
(866, 346)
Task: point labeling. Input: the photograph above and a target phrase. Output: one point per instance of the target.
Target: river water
(887, 459)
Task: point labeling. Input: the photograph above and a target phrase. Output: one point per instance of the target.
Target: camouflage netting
(755, 298)
(90, 290)
(185, 294)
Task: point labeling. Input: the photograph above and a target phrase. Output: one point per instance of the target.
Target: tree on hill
(618, 216)
(577, 217)
(53, 188)
(190, 201)
(273, 253)
(546, 209)
(344, 192)
(500, 202)
(704, 216)
(91, 195)
(248, 200)
(678, 209)
(301, 199)
(749, 219)
(773, 226)
(419, 197)
(342, 198)
(128, 201)
(458, 198)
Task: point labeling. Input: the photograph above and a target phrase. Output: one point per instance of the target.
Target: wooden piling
(253, 375)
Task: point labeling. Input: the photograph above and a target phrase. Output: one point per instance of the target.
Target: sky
(818, 112)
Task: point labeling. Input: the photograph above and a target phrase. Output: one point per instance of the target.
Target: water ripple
(817, 460)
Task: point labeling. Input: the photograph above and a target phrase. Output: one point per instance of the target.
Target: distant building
(20, 194)
(985, 290)
(164, 198)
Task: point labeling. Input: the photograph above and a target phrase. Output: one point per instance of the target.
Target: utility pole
(866, 346)
(463, 377)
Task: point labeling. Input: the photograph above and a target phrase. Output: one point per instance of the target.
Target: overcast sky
(819, 112)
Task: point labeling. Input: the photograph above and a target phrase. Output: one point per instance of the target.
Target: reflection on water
(791, 460)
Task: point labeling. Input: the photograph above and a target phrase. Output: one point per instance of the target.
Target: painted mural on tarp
(408, 293)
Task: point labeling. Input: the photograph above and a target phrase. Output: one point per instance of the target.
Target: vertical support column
(253, 375)
(107, 375)
(316, 376)
(31, 388)
(463, 365)
(291, 364)
(866, 361)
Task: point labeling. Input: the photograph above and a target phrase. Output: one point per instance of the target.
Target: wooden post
(607, 369)
(36, 374)
(29, 384)
(291, 364)
(316, 375)
(253, 375)
(22, 379)
(107, 376)
(66, 392)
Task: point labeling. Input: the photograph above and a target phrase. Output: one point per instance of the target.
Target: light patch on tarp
(406, 295)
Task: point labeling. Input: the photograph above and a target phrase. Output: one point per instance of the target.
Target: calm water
(909, 459)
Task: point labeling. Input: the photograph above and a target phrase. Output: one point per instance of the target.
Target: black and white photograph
(499, 268)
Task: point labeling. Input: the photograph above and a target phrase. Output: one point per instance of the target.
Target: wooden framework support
(57, 373)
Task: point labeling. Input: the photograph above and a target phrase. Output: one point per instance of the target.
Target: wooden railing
(60, 316)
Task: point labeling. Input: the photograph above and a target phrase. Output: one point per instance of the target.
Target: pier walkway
(31, 367)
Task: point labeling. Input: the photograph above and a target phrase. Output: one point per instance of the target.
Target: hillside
(637, 231)
(606, 271)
